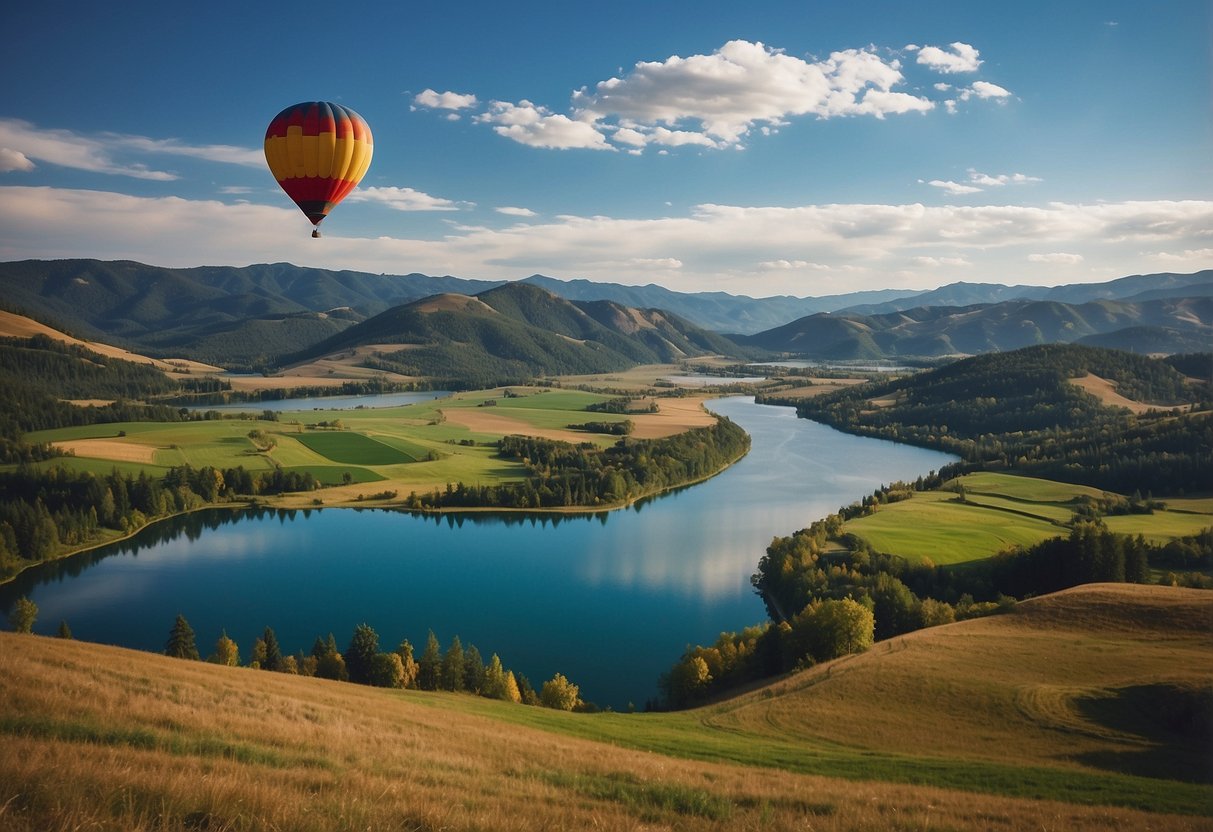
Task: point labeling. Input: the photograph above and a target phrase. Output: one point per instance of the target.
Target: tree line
(47, 509)
(560, 474)
(1019, 411)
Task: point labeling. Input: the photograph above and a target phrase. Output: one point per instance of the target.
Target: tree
(386, 671)
(494, 680)
(258, 657)
(65, 632)
(512, 694)
(828, 629)
(473, 670)
(24, 614)
(364, 645)
(452, 667)
(273, 653)
(181, 644)
(430, 665)
(405, 652)
(226, 652)
(559, 693)
(332, 666)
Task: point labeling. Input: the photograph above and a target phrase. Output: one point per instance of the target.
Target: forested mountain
(514, 332)
(1020, 411)
(1163, 325)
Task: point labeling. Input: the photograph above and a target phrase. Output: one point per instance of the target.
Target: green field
(1000, 511)
(414, 447)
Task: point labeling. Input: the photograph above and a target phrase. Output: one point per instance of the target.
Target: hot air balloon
(318, 152)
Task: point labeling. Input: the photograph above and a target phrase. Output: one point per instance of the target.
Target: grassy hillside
(977, 725)
(1003, 510)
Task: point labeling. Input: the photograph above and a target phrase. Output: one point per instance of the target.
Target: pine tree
(181, 644)
(364, 645)
(273, 653)
(64, 632)
(430, 664)
(494, 680)
(452, 667)
(473, 670)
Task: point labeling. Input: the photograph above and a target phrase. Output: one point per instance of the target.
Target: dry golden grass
(1106, 392)
(103, 738)
(1012, 688)
(673, 416)
(98, 737)
(117, 450)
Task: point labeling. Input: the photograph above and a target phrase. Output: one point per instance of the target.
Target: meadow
(415, 447)
(978, 515)
(930, 730)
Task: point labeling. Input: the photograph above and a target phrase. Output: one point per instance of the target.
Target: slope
(101, 737)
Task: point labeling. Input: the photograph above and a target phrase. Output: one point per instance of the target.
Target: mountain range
(256, 315)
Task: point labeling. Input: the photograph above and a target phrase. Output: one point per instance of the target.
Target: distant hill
(1165, 325)
(1135, 287)
(517, 331)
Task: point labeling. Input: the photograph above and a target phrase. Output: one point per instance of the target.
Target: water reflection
(609, 598)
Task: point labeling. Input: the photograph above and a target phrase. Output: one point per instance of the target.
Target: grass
(933, 730)
(1000, 511)
(354, 449)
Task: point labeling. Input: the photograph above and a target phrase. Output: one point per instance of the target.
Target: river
(611, 599)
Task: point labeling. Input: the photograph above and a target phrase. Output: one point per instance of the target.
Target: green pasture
(935, 525)
(410, 444)
(693, 735)
(1004, 510)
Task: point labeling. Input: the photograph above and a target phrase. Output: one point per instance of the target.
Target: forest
(561, 474)
(1019, 412)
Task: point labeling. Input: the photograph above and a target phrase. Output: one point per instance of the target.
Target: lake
(610, 599)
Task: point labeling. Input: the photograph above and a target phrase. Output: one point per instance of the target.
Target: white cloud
(529, 124)
(935, 262)
(1000, 179)
(984, 89)
(14, 160)
(819, 249)
(1187, 256)
(959, 57)
(515, 212)
(98, 153)
(402, 199)
(444, 100)
(953, 188)
(1055, 257)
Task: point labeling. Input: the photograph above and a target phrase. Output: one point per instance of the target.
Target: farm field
(930, 730)
(1003, 510)
(417, 447)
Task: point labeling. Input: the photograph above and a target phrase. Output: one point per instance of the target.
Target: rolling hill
(1087, 709)
(514, 332)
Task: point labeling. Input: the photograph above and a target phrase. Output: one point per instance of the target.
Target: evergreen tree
(386, 671)
(453, 667)
(273, 653)
(181, 644)
(407, 663)
(24, 614)
(332, 666)
(364, 646)
(473, 670)
(429, 666)
(494, 680)
(64, 632)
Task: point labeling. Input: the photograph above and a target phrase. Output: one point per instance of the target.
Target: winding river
(611, 600)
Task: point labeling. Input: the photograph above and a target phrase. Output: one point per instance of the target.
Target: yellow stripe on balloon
(326, 150)
(343, 152)
(295, 152)
(311, 156)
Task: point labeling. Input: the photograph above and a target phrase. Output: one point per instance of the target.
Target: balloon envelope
(318, 152)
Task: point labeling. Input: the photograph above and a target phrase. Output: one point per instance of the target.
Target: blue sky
(767, 148)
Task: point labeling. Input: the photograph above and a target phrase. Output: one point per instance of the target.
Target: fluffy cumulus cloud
(433, 100)
(514, 211)
(105, 152)
(527, 123)
(958, 57)
(719, 100)
(818, 249)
